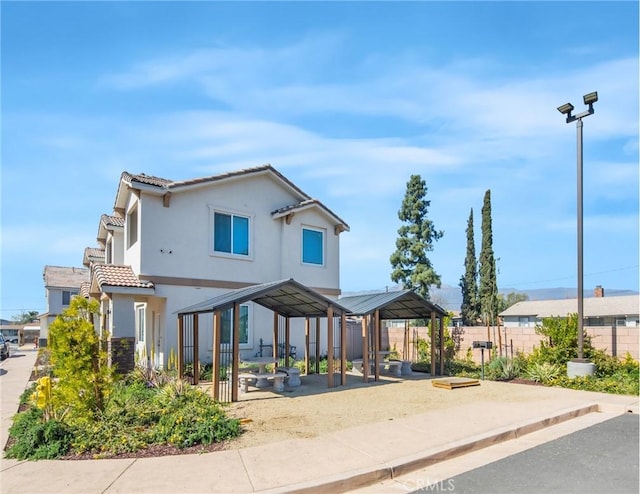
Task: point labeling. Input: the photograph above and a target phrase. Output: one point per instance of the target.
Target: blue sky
(345, 99)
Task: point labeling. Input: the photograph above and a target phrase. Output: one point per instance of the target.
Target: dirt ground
(312, 409)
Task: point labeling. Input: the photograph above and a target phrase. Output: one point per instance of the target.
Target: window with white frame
(67, 295)
(132, 226)
(523, 321)
(227, 325)
(140, 321)
(231, 234)
(312, 246)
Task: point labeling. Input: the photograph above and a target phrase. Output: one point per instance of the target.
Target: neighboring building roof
(627, 305)
(92, 254)
(286, 297)
(64, 277)
(402, 304)
(109, 276)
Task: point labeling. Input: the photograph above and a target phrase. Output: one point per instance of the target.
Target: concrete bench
(246, 377)
(393, 366)
(293, 375)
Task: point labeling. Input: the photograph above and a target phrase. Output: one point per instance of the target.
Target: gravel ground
(312, 409)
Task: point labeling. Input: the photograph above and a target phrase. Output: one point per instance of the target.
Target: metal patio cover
(401, 304)
(288, 298)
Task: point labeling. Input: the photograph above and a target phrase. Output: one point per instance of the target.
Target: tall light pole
(566, 109)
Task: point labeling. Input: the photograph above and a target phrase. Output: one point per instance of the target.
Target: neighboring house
(611, 321)
(170, 244)
(11, 331)
(60, 284)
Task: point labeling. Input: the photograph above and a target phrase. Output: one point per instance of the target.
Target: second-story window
(231, 234)
(109, 252)
(132, 226)
(313, 246)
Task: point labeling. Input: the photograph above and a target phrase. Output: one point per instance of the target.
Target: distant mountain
(450, 297)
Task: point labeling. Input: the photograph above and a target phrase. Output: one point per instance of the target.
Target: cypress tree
(488, 290)
(416, 236)
(470, 309)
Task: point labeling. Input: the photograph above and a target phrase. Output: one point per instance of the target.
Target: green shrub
(195, 418)
(37, 439)
(561, 340)
(503, 369)
(624, 384)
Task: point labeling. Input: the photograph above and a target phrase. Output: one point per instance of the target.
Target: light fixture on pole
(567, 109)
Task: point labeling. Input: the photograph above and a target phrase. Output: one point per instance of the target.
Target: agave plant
(543, 372)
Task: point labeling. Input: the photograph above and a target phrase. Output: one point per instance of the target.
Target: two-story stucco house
(60, 285)
(169, 244)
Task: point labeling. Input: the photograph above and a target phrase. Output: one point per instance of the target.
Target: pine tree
(416, 236)
(488, 290)
(470, 309)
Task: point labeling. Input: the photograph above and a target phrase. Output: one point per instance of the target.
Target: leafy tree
(416, 236)
(25, 317)
(511, 299)
(488, 290)
(470, 309)
(79, 361)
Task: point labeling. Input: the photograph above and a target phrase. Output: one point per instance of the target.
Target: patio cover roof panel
(286, 297)
(403, 304)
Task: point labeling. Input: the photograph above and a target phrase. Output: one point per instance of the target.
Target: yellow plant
(41, 397)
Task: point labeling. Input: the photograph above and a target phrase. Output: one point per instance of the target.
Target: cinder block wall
(613, 340)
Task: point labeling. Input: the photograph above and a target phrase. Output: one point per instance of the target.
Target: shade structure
(287, 299)
(400, 304)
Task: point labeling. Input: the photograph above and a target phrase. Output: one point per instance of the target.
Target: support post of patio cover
(180, 346)
(196, 360)
(236, 351)
(343, 348)
(376, 347)
(365, 349)
(215, 385)
(433, 343)
(441, 345)
(317, 369)
(331, 382)
(286, 342)
(276, 322)
(307, 328)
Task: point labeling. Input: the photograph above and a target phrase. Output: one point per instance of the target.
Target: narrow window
(132, 226)
(140, 323)
(231, 234)
(312, 246)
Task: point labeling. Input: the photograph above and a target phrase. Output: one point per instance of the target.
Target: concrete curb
(356, 479)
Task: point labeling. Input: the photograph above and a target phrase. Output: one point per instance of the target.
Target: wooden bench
(245, 378)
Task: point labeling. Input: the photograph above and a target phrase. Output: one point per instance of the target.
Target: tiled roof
(593, 307)
(170, 184)
(112, 275)
(85, 289)
(145, 179)
(111, 220)
(305, 204)
(64, 277)
(93, 254)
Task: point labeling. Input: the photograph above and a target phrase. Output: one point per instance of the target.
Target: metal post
(482, 361)
(580, 240)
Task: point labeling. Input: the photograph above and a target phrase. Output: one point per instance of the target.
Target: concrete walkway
(377, 455)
